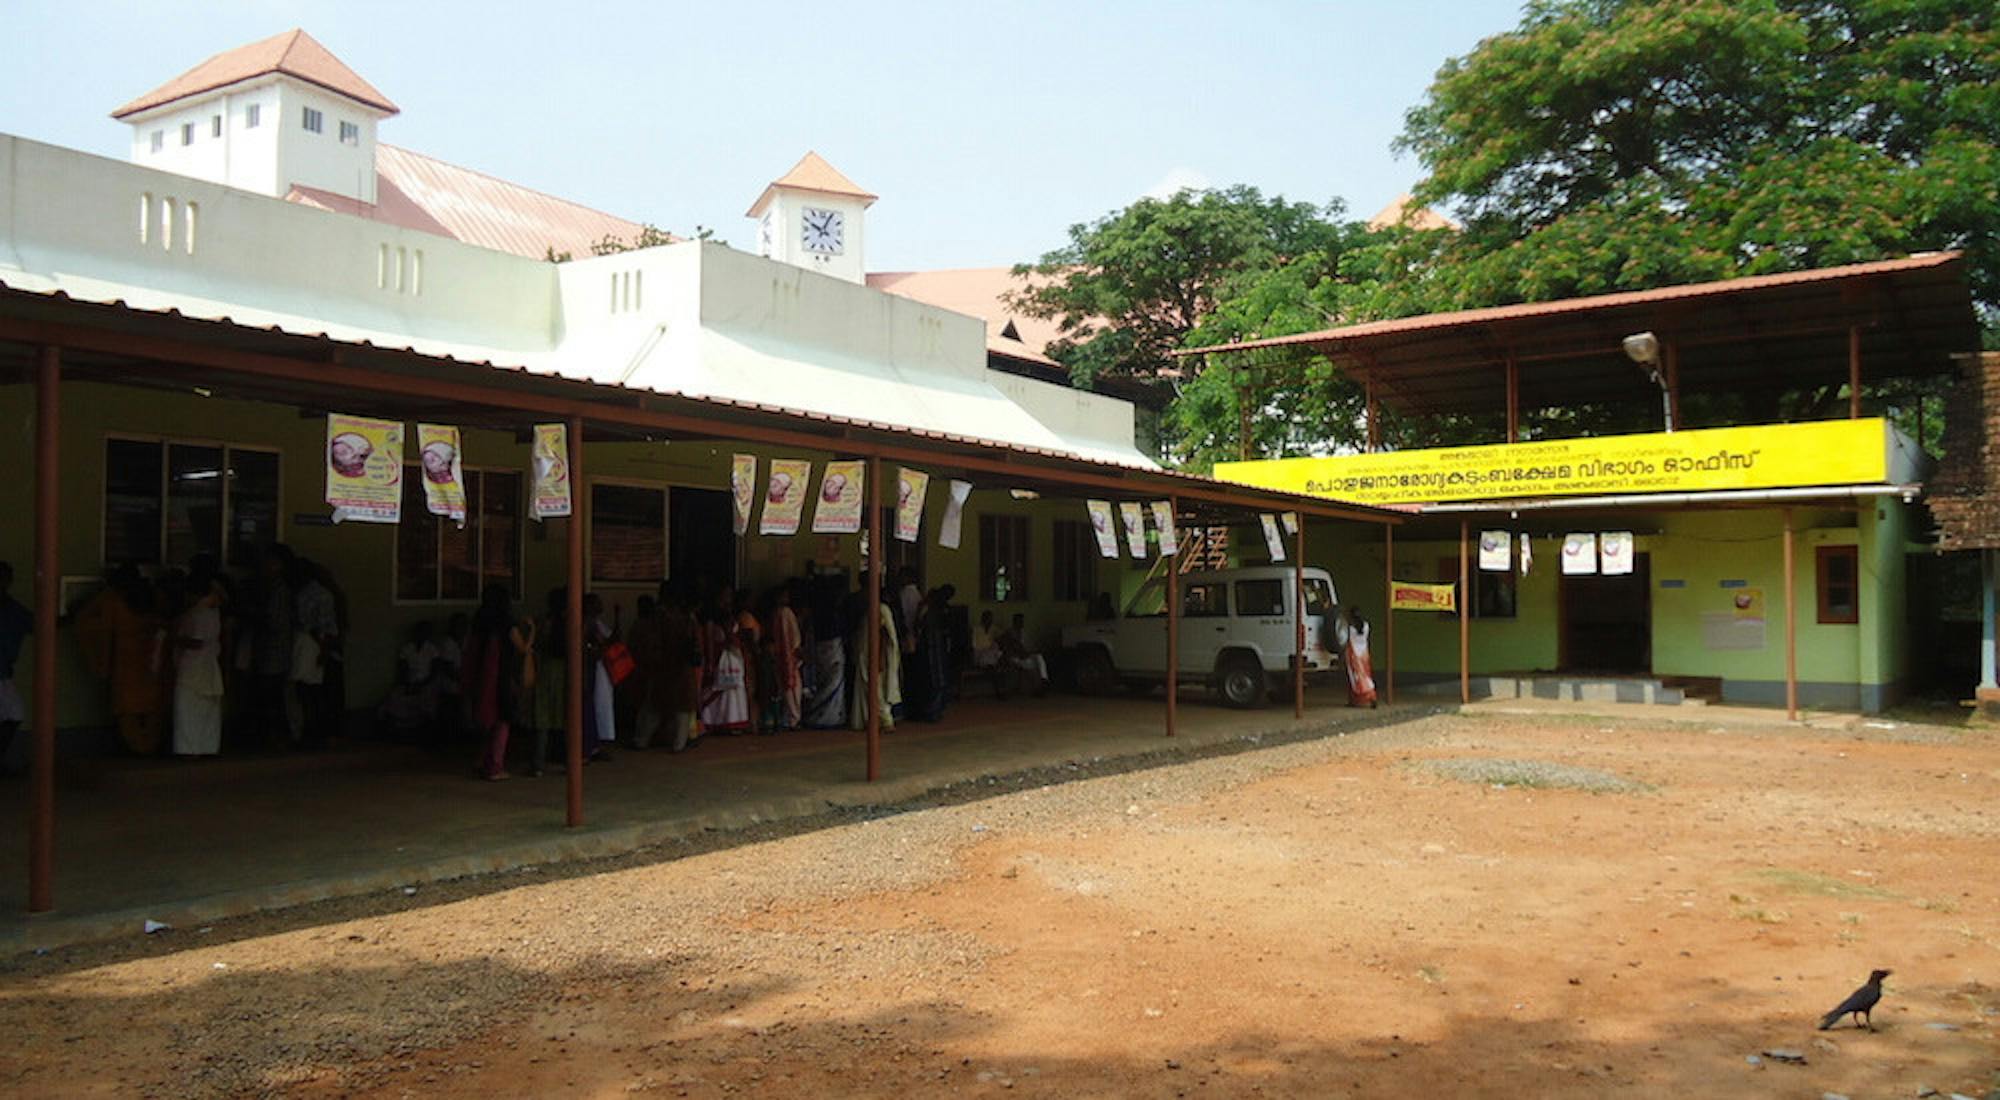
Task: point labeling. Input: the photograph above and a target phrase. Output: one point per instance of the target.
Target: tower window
(350, 134)
(187, 133)
(159, 140)
(313, 121)
(215, 126)
(252, 115)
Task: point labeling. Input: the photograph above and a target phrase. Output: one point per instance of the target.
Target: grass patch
(1818, 885)
(1763, 916)
(1535, 775)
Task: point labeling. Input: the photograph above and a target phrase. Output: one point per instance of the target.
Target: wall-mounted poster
(838, 507)
(1273, 541)
(1614, 553)
(1416, 596)
(953, 523)
(1494, 548)
(785, 496)
(1133, 515)
(1527, 553)
(1163, 520)
(549, 465)
(742, 490)
(1100, 524)
(1747, 603)
(911, 485)
(444, 477)
(364, 469)
(1579, 553)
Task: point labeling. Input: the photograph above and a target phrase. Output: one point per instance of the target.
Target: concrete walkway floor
(186, 841)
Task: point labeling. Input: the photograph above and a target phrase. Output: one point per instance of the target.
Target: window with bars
(312, 120)
(165, 501)
(1003, 558)
(1075, 557)
(628, 533)
(436, 559)
(1839, 583)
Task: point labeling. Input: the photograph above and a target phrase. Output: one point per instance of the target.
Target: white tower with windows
(812, 217)
(268, 117)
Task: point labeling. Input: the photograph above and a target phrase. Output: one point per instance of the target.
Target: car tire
(1094, 672)
(1240, 680)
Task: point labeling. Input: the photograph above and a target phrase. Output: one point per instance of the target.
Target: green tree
(1621, 144)
(1128, 288)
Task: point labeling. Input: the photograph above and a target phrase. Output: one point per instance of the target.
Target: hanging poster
(742, 491)
(785, 496)
(1614, 553)
(1579, 553)
(838, 511)
(364, 469)
(1416, 596)
(911, 485)
(1495, 551)
(954, 514)
(549, 464)
(1527, 554)
(1100, 522)
(1291, 523)
(1748, 603)
(1163, 520)
(1272, 539)
(1132, 516)
(444, 479)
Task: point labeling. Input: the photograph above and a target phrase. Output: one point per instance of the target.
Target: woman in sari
(890, 690)
(122, 638)
(198, 670)
(491, 677)
(1350, 633)
(787, 645)
(826, 708)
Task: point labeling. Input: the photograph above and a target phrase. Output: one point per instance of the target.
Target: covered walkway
(185, 842)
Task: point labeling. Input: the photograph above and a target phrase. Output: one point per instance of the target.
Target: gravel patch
(1537, 774)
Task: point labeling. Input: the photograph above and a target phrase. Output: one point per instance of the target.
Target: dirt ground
(1580, 908)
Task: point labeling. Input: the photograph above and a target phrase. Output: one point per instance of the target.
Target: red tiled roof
(293, 53)
(811, 173)
(414, 191)
(1458, 318)
(977, 292)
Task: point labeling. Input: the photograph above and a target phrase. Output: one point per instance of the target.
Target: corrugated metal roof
(418, 192)
(608, 392)
(293, 53)
(1686, 291)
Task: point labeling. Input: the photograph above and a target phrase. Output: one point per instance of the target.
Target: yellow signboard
(1766, 456)
(1415, 596)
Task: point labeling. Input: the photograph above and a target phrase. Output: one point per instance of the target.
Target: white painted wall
(273, 155)
(787, 211)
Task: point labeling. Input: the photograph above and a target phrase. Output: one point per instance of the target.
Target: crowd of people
(693, 662)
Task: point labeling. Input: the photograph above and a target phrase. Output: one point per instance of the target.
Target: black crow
(1858, 1003)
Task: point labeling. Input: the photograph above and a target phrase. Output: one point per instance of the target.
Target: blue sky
(987, 128)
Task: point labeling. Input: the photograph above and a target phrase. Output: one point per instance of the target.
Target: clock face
(821, 231)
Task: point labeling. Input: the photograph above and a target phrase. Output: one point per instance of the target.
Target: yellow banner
(1765, 456)
(785, 497)
(550, 464)
(1412, 596)
(444, 474)
(364, 468)
(911, 485)
(840, 498)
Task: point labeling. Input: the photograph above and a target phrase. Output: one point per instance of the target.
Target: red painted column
(579, 501)
(48, 591)
(874, 597)
(1464, 611)
(1299, 613)
(1174, 626)
(1389, 613)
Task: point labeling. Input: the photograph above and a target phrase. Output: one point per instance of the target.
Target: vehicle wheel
(1241, 681)
(1094, 674)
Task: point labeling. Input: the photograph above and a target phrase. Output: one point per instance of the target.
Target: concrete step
(1583, 689)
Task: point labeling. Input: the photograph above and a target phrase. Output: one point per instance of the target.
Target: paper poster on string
(1132, 516)
(549, 464)
(1579, 554)
(444, 476)
(1527, 553)
(1494, 548)
(364, 469)
(1614, 553)
(1163, 521)
(1291, 524)
(911, 485)
(785, 496)
(1272, 539)
(953, 523)
(837, 510)
(1101, 525)
(742, 491)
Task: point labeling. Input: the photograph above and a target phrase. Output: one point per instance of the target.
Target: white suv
(1238, 631)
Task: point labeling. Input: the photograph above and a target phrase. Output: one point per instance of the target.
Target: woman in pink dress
(1350, 633)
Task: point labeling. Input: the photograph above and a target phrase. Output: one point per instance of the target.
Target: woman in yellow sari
(123, 637)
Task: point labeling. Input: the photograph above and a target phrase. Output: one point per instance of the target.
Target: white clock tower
(812, 217)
